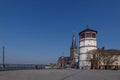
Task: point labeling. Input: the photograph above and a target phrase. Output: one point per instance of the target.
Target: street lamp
(116, 60)
(62, 61)
(3, 57)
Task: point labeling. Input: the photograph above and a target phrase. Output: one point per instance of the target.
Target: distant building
(106, 59)
(64, 62)
(87, 42)
(74, 52)
(90, 57)
(69, 62)
(73, 48)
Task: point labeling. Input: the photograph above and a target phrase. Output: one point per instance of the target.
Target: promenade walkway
(60, 75)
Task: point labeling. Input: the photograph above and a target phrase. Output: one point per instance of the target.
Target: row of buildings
(88, 56)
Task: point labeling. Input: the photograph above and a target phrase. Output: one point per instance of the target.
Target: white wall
(88, 42)
(86, 45)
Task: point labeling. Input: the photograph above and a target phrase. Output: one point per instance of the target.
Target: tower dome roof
(88, 29)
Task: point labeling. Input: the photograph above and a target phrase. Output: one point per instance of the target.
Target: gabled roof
(109, 51)
(88, 29)
(65, 58)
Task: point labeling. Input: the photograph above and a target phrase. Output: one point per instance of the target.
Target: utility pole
(62, 60)
(3, 57)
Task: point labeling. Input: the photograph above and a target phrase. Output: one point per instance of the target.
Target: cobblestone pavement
(69, 74)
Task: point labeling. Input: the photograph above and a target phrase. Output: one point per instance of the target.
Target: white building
(87, 42)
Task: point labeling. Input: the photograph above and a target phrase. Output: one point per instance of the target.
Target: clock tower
(87, 42)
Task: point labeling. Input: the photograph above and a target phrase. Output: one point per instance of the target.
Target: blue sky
(39, 31)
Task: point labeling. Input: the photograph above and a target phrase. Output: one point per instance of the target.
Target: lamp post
(3, 57)
(116, 60)
(62, 62)
(78, 62)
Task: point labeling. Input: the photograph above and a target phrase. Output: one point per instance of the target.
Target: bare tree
(100, 58)
(90, 55)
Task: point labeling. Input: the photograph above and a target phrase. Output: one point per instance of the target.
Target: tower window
(93, 36)
(88, 35)
(82, 35)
